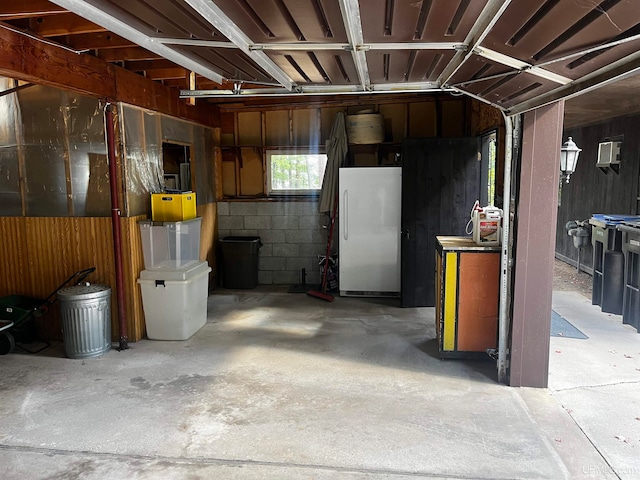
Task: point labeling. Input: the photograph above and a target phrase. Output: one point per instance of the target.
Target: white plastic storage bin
(170, 244)
(175, 301)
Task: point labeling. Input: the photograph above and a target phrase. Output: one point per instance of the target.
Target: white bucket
(487, 226)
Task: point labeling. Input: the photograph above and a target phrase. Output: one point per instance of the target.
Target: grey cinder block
(257, 222)
(286, 249)
(267, 250)
(265, 277)
(301, 208)
(285, 222)
(272, 263)
(230, 223)
(313, 222)
(319, 236)
(286, 278)
(312, 249)
(270, 208)
(299, 236)
(243, 208)
(297, 263)
(272, 236)
(223, 208)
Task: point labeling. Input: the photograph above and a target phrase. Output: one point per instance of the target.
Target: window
(489, 154)
(491, 177)
(295, 172)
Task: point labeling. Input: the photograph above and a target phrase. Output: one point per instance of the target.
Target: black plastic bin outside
(240, 261)
(608, 266)
(631, 250)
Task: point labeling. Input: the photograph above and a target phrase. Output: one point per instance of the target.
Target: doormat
(560, 327)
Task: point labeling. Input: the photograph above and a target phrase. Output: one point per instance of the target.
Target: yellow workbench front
(467, 297)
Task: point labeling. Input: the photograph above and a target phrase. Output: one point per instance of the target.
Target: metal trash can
(240, 261)
(86, 320)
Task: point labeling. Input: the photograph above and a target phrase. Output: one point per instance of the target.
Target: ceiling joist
(619, 70)
(521, 66)
(314, 90)
(63, 24)
(109, 19)
(15, 9)
(307, 46)
(276, 47)
(350, 10)
(492, 12)
(216, 17)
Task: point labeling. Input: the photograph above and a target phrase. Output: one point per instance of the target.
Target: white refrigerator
(369, 228)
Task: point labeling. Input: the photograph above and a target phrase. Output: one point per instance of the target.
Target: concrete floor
(280, 386)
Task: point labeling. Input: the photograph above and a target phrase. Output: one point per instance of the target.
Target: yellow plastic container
(173, 207)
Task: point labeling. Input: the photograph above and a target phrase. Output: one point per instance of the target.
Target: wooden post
(536, 233)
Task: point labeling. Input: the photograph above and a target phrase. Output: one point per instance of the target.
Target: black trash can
(608, 263)
(240, 261)
(613, 282)
(631, 250)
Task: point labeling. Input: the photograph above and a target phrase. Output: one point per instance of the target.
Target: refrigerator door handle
(345, 211)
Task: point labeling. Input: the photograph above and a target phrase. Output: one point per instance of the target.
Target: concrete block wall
(292, 233)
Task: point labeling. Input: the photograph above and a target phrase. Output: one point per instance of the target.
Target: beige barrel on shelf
(365, 128)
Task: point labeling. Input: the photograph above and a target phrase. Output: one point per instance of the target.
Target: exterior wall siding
(590, 190)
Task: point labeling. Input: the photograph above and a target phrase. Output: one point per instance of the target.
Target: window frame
(291, 151)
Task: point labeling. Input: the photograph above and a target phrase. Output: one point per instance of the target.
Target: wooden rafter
(62, 24)
(94, 41)
(126, 53)
(147, 65)
(16, 9)
(167, 73)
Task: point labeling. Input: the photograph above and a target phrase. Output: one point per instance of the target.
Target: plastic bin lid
(84, 292)
(176, 274)
(610, 218)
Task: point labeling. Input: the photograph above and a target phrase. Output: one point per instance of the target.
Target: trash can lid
(242, 239)
(84, 292)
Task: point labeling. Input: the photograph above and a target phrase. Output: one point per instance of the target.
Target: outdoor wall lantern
(569, 158)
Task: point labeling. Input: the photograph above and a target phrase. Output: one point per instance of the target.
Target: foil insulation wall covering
(204, 165)
(10, 198)
(54, 140)
(143, 162)
(144, 133)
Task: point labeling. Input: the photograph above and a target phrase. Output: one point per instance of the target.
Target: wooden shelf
(373, 154)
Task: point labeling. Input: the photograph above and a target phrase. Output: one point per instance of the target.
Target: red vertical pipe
(115, 222)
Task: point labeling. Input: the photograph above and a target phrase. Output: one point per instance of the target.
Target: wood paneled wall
(248, 130)
(133, 265)
(592, 191)
(208, 237)
(39, 253)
